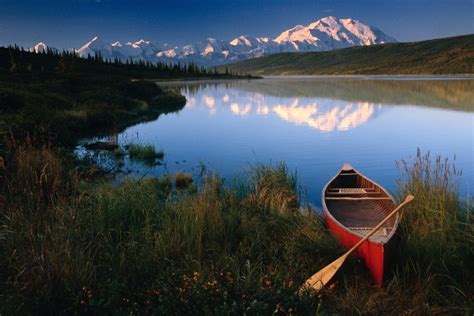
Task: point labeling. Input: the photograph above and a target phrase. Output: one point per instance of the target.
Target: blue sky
(71, 23)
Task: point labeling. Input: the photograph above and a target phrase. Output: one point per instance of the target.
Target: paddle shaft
(373, 231)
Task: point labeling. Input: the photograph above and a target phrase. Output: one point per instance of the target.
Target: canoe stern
(373, 254)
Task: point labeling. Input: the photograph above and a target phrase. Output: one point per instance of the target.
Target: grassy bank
(69, 245)
(65, 98)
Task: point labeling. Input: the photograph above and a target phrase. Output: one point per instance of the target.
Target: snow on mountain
(141, 49)
(332, 33)
(324, 34)
(39, 48)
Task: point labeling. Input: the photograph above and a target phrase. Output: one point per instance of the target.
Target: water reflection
(322, 114)
(338, 117)
(431, 92)
(314, 125)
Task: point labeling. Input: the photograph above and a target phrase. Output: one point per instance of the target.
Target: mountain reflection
(325, 104)
(338, 117)
(325, 115)
(431, 92)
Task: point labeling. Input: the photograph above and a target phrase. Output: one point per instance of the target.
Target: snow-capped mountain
(324, 34)
(332, 33)
(141, 49)
(39, 48)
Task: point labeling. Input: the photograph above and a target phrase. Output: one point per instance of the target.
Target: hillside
(454, 55)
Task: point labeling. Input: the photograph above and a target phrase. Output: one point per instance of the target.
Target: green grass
(69, 245)
(454, 55)
(144, 153)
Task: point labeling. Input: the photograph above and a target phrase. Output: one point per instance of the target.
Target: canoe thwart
(358, 198)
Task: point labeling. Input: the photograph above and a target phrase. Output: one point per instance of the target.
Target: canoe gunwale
(326, 211)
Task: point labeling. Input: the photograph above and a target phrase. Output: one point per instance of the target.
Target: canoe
(352, 206)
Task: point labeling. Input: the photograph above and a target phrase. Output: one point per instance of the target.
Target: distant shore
(379, 77)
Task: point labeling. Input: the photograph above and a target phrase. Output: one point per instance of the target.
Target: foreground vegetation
(454, 55)
(166, 245)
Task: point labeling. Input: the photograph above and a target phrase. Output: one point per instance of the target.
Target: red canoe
(353, 205)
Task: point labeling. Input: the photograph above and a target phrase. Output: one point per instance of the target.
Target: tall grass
(75, 246)
(143, 247)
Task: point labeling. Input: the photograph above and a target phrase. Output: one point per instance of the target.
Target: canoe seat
(366, 189)
(352, 190)
(365, 230)
(358, 198)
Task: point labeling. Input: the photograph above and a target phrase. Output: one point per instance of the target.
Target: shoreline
(378, 77)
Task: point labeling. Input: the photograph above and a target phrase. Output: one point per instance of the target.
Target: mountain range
(325, 34)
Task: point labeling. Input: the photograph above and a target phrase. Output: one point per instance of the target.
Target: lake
(314, 125)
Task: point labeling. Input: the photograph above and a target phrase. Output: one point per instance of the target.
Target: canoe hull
(374, 255)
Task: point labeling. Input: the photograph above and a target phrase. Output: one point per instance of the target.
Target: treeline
(62, 96)
(17, 60)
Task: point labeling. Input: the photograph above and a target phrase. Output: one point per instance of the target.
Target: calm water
(314, 125)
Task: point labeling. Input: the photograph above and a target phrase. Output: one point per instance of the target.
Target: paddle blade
(318, 280)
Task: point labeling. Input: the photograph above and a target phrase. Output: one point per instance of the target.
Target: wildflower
(212, 283)
(82, 302)
(268, 283)
(280, 308)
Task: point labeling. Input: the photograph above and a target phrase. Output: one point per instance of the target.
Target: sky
(71, 23)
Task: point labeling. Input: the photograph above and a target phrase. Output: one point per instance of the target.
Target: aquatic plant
(145, 153)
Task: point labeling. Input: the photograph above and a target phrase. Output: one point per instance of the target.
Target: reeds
(148, 246)
(437, 209)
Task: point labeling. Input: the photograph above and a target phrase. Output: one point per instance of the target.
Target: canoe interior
(359, 204)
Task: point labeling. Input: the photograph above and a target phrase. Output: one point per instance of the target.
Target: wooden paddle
(322, 277)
